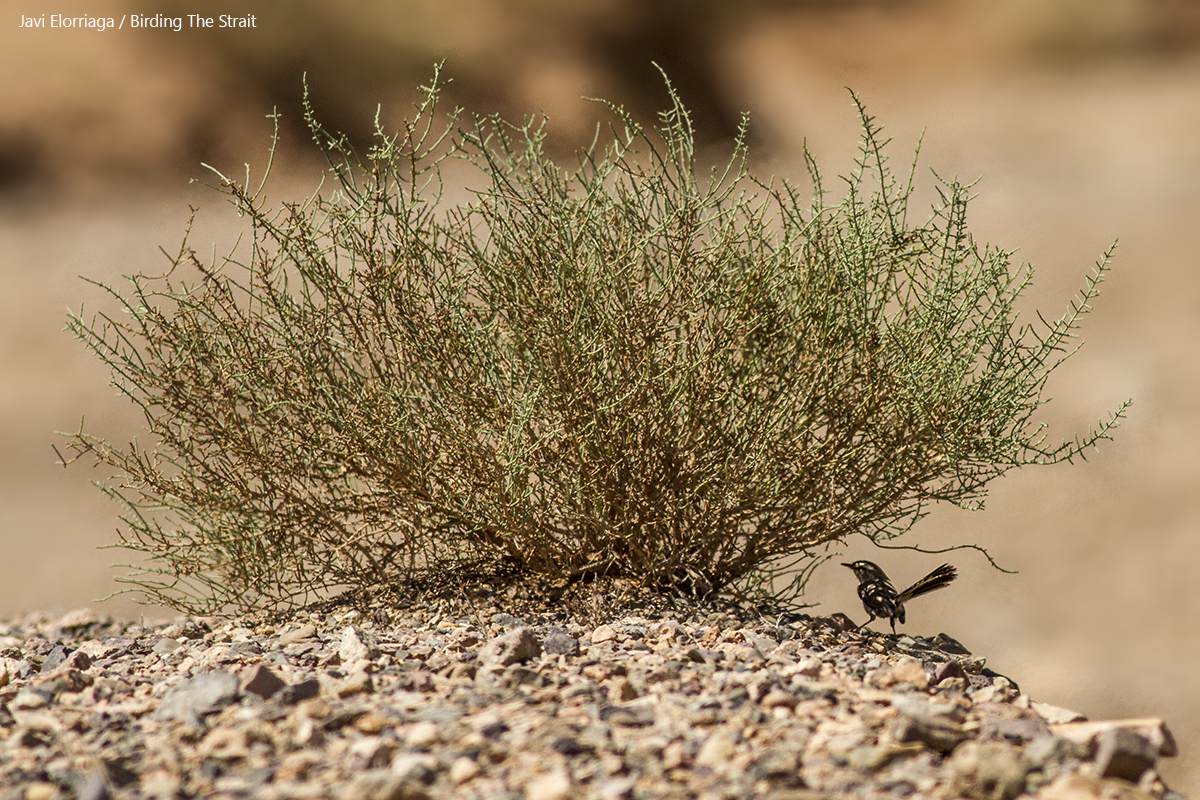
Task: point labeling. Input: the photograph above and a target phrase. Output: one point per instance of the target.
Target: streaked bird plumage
(880, 598)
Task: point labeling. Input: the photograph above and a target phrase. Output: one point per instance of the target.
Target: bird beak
(844, 564)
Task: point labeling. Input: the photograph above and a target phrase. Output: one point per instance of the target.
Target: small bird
(880, 598)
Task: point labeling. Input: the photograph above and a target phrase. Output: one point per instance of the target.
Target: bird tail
(940, 577)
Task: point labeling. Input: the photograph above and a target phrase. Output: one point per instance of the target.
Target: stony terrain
(458, 702)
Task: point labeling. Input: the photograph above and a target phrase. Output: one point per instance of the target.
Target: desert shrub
(686, 379)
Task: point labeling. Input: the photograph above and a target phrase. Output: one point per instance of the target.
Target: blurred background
(1080, 116)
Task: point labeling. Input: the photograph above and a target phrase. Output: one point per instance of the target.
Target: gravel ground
(473, 701)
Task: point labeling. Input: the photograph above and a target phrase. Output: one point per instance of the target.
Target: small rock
(938, 725)
(570, 746)
(1150, 728)
(806, 667)
(604, 633)
(164, 646)
(422, 736)
(987, 771)
(64, 679)
(26, 736)
(910, 670)
(358, 682)
(161, 783)
(620, 690)
(41, 790)
(838, 622)
(716, 751)
(262, 682)
(1048, 755)
(203, 694)
(940, 734)
(779, 698)
(306, 631)
(77, 619)
(1001, 691)
(226, 744)
(97, 650)
(415, 767)
(380, 784)
(372, 751)
(512, 648)
(1077, 786)
(615, 789)
(296, 766)
(78, 660)
(633, 715)
(948, 670)
(29, 700)
(1007, 723)
(299, 692)
(373, 723)
(559, 642)
(554, 785)
(95, 786)
(357, 646)
(507, 620)
(54, 659)
(781, 765)
(495, 728)
(517, 675)
(948, 644)
(1057, 716)
(1122, 753)
(462, 770)
(464, 672)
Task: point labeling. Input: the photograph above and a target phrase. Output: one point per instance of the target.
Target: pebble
(201, 695)
(1122, 753)
(262, 682)
(511, 648)
(356, 646)
(552, 786)
(452, 701)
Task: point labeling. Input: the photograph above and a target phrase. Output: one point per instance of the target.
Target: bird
(880, 599)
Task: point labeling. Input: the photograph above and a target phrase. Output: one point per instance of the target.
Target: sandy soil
(1104, 616)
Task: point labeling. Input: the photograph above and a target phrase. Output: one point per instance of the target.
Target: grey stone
(937, 725)
(628, 716)
(54, 660)
(381, 784)
(95, 787)
(165, 645)
(948, 644)
(437, 714)
(415, 767)
(1015, 729)
(559, 642)
(516, 675)
(987, 771)
(357, 645)
(1122, 753)
(306, 631)
(204, 694)
(263, 682)
(1047, 757)
(30, 699)
(570, 746)
(298, 692)
(940, 734)
(948, 669)
(513, 647)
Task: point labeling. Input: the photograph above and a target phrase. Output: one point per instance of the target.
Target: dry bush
(622, 369)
